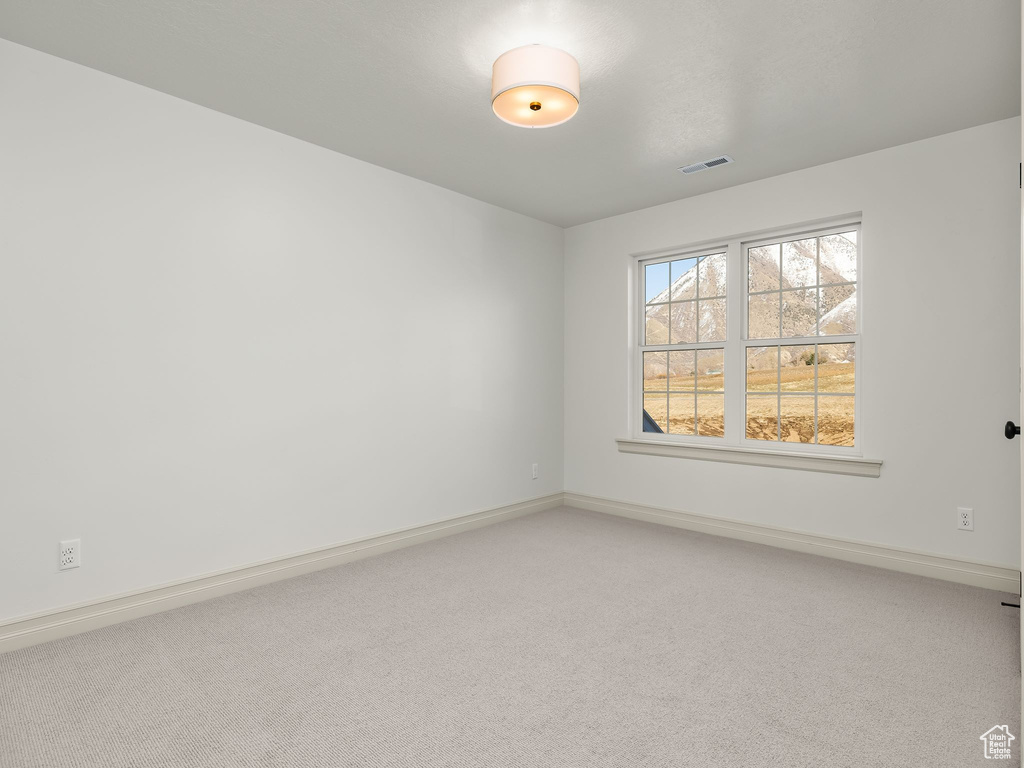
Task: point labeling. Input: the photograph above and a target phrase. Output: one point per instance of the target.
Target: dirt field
(687, 414)
(707, 417)
(835, 419)
(684, 413)
(832, 377)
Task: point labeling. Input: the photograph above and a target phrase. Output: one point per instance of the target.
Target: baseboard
(986, 575)
(63, 622)
(71, 620)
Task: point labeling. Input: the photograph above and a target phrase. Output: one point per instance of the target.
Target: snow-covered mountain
(842, 319)
(709, 275)
(710, 272)
(786, 266)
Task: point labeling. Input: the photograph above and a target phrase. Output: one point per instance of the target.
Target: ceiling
(405, 84)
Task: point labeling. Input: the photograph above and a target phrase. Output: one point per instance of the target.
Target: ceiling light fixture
(535, 86)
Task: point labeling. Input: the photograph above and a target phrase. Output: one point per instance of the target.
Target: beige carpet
(561, 639)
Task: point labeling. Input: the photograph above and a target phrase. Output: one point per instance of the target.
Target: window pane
(763, 316)
(799, 312)
(796, 413)
(656, 282)
(762, 417)
(655, 371)
(711, 370)
(838, 309)
(657, 324)
(680, 414)
(800, 263)
(684, 279)
(839, 258)
(711, 415)
(711, 313)
(684, 323)
(681, 370)
(835, 420)
(762, 369)
(711, 275)
(656, 406)
(837, 366)
(763, 268)
(797, 374)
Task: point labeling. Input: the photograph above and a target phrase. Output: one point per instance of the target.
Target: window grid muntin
(804, 341)
(816, 287)
(801, 288)
(696, 392)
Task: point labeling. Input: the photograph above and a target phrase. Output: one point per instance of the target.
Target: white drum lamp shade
(535, 86)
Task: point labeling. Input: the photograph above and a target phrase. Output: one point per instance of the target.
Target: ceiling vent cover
(713, 162)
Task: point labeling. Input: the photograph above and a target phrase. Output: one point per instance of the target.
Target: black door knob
(1011, 430)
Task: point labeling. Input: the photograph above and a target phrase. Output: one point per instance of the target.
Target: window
(753, 343)
(798, 389)
(683, 357)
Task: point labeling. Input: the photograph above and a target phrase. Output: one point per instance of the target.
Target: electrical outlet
(70, 554)
(964, 519)
(536, 472)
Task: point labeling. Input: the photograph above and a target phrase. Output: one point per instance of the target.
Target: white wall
(220, 344)
(941, 306)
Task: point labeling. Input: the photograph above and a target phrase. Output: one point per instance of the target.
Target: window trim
(731, 454)
(734, 446)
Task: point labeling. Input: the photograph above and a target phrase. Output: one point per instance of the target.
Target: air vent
(720, 160)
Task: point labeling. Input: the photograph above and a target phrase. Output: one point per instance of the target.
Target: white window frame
(735, 446)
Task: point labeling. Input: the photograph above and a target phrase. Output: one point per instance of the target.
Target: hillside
(789, 267)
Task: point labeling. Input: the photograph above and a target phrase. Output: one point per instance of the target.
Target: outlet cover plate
(70, 554)
(964, 519)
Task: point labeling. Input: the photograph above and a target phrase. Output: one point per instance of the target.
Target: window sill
(840, 465)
